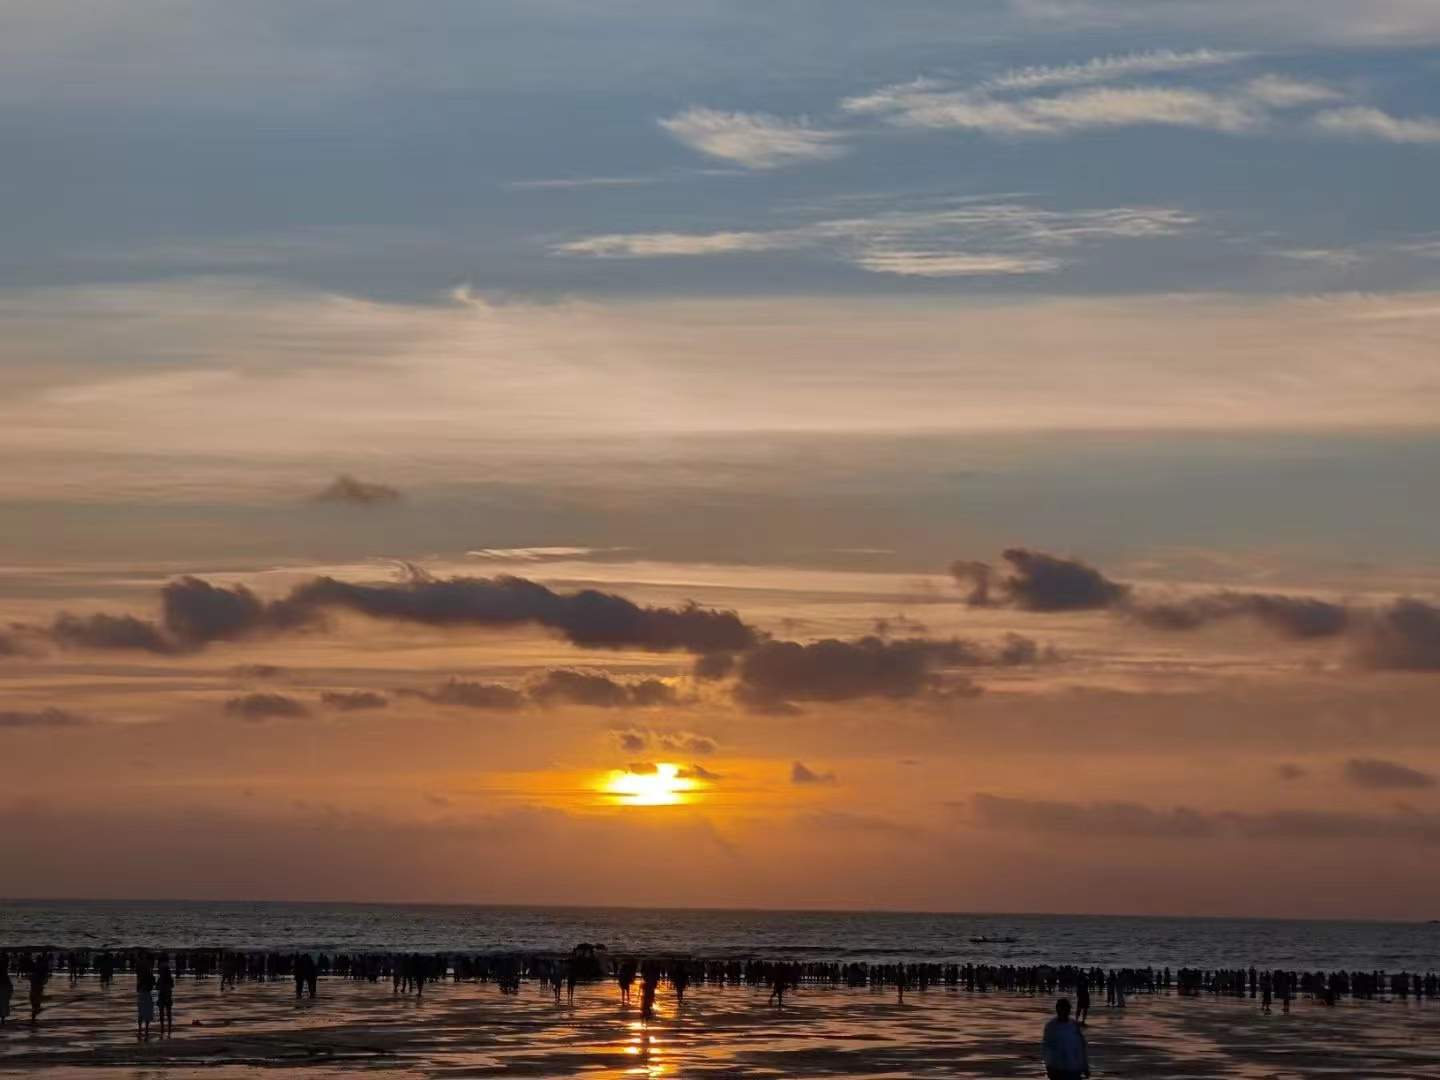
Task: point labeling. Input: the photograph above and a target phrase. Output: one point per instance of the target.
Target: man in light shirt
(1066, 1055)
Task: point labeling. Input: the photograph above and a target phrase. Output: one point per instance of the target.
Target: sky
(973, 455)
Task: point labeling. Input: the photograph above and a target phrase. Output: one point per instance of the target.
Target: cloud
(587, 618)
(1042, 582)
(1403, 636)
(800, 773)
(964, 238)
(926, 107)
(353, 700)
(1365, 122)
(196, 612)
(698, 772)
(102, 631)
(1375, 774)
(1292, 616)
(40, 718)
(939, 264)
(712, 666)
(1282, 92)
(472, 695)
(346, 489)
(1111, 68)
(263, 706)
(598, 689)
(754, 140)
(835, 670)
(257, 671)
(669, 244)
(1137, 821)
(636, 740)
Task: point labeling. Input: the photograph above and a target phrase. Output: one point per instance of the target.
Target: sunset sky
(967, 455)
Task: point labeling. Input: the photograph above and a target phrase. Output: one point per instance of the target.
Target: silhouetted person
(680, 979)
(165, 997)
(1066, 1055)
(1082, 1000)
(7, 988)
(312, 976)
(39, 976)
(144, 998)
(778, 985)
(649, 983)
(571, 975)
(626, 979)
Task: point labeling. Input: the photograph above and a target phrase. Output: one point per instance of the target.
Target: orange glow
(664, 786)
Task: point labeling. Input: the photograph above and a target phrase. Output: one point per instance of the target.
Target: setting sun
(661, 784)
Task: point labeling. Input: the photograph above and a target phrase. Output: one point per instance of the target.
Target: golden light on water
(659, 785)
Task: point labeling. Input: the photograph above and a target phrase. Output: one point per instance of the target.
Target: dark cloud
(346, 489)
(41, 718)
(632, 740)
(353, 700)
(1106, 818)
(897, 624)
(636, 739)
(979, 577)
(1404, 636)
(257, 671)
(596, 688)
(1134, 820)
(698, 772)
(800, 773)
(1385, 775)
(261, 706)
(102, 631)
(712, 666)
(1289, 771)
(686, 742)
(196, 612)
(1292, 616)
(588, 618)
(1041, 582)
(834, 670)
(472, 695)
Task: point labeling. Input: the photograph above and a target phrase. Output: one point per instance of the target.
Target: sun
(661, 784)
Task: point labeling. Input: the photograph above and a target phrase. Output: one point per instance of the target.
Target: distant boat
(993, 940)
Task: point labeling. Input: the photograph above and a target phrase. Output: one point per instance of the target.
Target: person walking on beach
(39, 976)
(144, 999)
(1066, 1055)
(7, 988)
(1082, 999)
(165, 996)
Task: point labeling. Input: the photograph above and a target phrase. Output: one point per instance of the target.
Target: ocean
(1105, 940)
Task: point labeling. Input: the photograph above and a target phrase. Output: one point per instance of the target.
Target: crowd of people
(156, 975)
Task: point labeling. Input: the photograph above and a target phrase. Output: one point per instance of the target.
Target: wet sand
(469, 1030)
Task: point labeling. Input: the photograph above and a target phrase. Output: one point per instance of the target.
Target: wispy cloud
(662, 244)
(938, 264)
(1365, 122)
(973, 239)
(1100, 107)
(1283, 92)
(754, 140)
(1111, 68)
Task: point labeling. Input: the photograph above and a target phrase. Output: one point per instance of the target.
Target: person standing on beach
(1082, 998)
(7, 988)
(39, 976)
(165, 994)
(144, 999)
(1066, 1055)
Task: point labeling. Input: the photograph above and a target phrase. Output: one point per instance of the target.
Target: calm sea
(867, 936)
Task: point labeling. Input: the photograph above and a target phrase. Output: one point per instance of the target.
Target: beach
(459, 1030)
